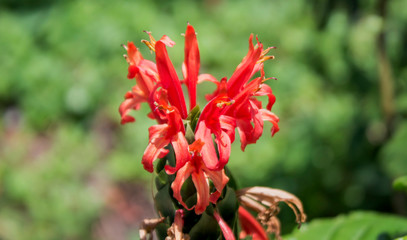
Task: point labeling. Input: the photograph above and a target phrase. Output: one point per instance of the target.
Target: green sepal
(193, 117)
(160, 164)
(232, 181)
(207, 227)
(188, 192)
(161, 230)
(228, 206)
(164, 203)
(161, 180)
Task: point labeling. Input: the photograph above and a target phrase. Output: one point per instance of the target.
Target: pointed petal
(244, 129)
(132, 101)
(134, 55)
(227, 232)
(180, 145)
(169, 78)
(208, 151)
(202, 190)
(265, 90)
(250, 226)
(224, 146)
(192, 63)
(155, 147)
(244, 71)
(132, 71)
(271, 117)
(207, 77)
(219, 180)
(228, 124)
(182, 175)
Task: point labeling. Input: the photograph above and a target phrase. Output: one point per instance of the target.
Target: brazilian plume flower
(233, 105)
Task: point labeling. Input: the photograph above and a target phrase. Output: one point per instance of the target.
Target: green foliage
(356, 225)
(400, 184)
(63, 77)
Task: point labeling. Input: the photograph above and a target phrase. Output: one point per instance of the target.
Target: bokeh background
(69, 170)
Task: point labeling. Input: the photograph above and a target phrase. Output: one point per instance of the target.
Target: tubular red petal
(224, 146)
(219, 180)
(156, 146)
(245, 69)
(180, 145)
(132, 101)
(169, 78)
(228, 124)
(133, 70)
(182, 175)
(271, 117)
(227, 232)
(202, 191)
(134, 55)
(250, 226)
(265, 90)
(208, 151)
(192, 63)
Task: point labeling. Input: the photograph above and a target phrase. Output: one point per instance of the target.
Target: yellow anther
(264, 58)
(150, 45)
(225, 103)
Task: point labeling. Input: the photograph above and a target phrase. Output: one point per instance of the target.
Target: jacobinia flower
(233, 105)
(199, 173)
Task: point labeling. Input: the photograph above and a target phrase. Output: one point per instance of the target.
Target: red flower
(161, 135)
(232, 105)
(200, 175)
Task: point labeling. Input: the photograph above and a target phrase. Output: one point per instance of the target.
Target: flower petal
(227, 232)
(156, 145)
(245, 69)
(219, 179)
(265, 90)
(250, 226)
(202, 190)
(208, 151)
(132, 101)
(180, 145)
(182, 175)
(271, 117)
(169, 78)
(192, 63)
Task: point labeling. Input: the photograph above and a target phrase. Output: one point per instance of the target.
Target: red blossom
(233, 105)
(200, 175)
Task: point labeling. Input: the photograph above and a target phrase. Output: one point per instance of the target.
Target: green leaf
(356, 226)
(163, 202)
(228, 206)
(206, 228)
(400, 184)
(193, 117)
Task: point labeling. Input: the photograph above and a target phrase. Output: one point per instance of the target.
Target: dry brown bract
(265, 201)
(148, 226)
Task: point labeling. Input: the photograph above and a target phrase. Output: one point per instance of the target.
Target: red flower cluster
(232, 105)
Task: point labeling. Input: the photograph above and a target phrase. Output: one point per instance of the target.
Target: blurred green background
(68, 170)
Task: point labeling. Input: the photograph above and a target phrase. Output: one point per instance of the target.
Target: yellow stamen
(264, 58)
(225, 103)
(150, 44)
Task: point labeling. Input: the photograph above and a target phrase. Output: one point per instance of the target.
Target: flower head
(233, 105)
